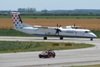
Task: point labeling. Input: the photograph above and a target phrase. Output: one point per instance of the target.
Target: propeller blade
(74, 25)
(57, 25)
(57, 29)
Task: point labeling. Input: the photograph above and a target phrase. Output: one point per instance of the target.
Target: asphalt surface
(87, 56)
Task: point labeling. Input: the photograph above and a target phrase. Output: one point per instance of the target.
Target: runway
(87, 56)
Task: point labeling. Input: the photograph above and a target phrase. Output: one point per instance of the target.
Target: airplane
(61, 32)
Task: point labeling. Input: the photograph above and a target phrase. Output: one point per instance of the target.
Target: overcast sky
(49, 4)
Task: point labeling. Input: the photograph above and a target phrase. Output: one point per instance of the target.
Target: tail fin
(18, 23)
(16, 19)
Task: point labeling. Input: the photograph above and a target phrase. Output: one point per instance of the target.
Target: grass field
(16, 46)
(97, 32)
(93, 24)
(86, 66)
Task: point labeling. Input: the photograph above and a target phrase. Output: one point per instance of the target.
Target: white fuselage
(50, 31)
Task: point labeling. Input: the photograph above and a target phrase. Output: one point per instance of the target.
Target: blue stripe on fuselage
(63, 36)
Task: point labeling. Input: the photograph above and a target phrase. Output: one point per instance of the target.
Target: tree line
(45, 12)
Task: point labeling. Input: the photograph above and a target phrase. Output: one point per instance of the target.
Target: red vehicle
(47, 54)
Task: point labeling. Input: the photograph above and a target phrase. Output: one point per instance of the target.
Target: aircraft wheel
(61, 38)
(45, 38)
(91, 39)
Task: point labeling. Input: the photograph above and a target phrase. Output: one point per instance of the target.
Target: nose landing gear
(91, 39)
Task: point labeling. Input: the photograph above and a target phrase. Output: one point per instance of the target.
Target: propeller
(57, 29)
(74, 25)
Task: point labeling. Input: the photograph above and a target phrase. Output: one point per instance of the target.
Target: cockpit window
(87, 31)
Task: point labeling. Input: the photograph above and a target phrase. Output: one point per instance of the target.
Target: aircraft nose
(93, 35)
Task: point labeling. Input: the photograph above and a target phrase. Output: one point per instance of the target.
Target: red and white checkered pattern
(17, 20)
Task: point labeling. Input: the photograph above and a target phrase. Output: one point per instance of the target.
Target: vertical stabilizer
(16, 20)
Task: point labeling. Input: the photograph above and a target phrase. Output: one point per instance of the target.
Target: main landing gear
(45, 38)
(61, 38)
